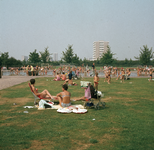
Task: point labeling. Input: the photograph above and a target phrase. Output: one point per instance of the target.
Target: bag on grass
(43, 104)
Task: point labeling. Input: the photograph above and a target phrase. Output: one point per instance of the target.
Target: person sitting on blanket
(43, 94)
(57, 78)
(69, 80)
(63, 76)
(64, 96)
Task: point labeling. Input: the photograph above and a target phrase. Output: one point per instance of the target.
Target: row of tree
(69, 57)
(6, 61)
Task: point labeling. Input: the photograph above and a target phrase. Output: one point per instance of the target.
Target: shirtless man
(96, 80)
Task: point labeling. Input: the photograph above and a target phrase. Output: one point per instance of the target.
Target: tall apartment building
(24, 58)
(55, 56)
(99, 47)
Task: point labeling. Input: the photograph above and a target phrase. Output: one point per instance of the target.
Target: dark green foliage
(69, 57)
(8, 62)
(107, 57)
(34, 57)
(93, 141)
(45, 55)
(4, 58)
(145, 55)
(68, 54)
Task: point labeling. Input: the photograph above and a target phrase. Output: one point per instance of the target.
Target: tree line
(69, 57)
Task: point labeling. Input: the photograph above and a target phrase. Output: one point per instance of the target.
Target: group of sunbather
(64, 96)
(63, 77)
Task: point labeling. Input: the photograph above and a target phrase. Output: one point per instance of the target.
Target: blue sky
(26, 25)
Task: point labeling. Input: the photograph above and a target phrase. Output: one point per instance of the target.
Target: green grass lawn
(127, 122)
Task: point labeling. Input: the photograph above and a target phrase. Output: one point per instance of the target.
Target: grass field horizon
(126, 123)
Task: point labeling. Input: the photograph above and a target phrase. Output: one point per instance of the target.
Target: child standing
(96, 80)
(150, 75)
(109, 77)
(123, 75)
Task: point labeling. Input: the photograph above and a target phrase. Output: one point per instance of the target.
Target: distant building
(50, 58)
(55, 56)
(99, 47)
(24, 58)
(90, 59)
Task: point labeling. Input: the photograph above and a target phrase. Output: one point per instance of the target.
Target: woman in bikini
(43, 94)
(64, 96)
(63, 76)
(57, 78)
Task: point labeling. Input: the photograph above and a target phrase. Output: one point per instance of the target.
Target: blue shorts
(65, 105)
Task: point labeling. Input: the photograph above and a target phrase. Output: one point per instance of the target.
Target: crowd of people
(30, 70)
(62, 72)
(67, 74)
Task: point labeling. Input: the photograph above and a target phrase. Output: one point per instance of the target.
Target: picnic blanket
(42, 103)
(73, 109)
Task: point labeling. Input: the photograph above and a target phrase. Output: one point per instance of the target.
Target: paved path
(8, 81)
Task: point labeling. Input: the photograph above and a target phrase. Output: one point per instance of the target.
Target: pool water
(50, 72)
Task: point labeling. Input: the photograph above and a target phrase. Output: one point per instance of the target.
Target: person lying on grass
(64, 96)
(43, 94)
